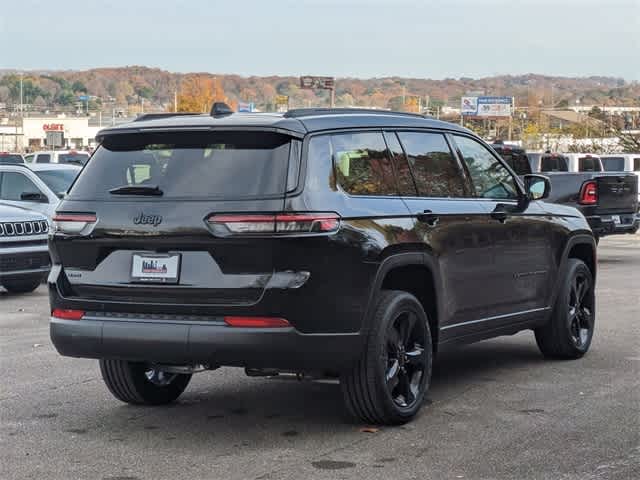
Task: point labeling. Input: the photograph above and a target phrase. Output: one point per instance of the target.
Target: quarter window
(432, 164)
(362, 164)
(490, 178)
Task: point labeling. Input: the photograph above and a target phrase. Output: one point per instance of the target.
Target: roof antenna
(220, 109)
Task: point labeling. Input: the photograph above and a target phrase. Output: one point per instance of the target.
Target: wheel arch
(582, 247)
(416, 273)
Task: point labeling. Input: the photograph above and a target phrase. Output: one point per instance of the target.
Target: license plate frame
(162, 268)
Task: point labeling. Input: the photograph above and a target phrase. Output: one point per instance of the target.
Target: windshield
(58, 181)
(613, 164)
(11, 158)
(73, 158)
(190, 165)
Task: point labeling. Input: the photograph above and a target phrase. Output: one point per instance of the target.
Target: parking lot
(497, 410)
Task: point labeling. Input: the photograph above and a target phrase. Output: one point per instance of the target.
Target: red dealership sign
(53, 127)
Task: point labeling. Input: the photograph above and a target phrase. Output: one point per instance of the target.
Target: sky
(345, 38)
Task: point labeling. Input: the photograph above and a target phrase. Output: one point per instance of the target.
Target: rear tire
(23, 285)
(140, 384)
(387, 385)
(569, 331)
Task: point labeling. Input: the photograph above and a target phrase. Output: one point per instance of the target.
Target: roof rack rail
(157, 116)
(306, 112)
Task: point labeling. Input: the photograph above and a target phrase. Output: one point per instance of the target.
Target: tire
(387, 385)
(128, 382)
(569, 331)
(23, 285)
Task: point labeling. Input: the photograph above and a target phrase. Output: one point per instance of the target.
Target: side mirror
(33, 197)
(537, 186)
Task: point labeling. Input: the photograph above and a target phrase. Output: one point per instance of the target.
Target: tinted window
(189, 165)
(73, 158)
(636, 164)
(14, 185)
(58, 181)
(11, 158)
(406, 185)
(43, 158)
(613, 164)
(432, 164)
(362, 165)
(490, 178)
(554, 163)
(588, 164)
(517, 160)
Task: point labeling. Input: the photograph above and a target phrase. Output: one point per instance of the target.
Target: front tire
(569, 331)
(141, 384)
(387, 386)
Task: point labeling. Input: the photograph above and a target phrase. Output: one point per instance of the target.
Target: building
(30, 133)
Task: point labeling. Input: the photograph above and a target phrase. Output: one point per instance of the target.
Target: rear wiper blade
(153, 190)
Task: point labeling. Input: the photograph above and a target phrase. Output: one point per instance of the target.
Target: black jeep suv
(348, 244)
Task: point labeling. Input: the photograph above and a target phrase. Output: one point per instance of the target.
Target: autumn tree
(198, 93)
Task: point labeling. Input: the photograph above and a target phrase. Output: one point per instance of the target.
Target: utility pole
(21, 95)
(175, 101)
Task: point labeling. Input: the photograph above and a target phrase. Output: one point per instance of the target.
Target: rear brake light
(589, 193)
(73, 223)
(67, 314)
(256, 322)
(274, 224)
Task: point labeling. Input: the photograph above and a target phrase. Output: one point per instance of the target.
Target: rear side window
(636, 164)
(362, 164)
(554, 164)
(190, 165)
(43, 158)
(588, 164)
(434, 167)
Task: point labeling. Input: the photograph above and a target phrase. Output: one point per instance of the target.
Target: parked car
(609, 201)
(37, 186)
(7, 157)
(350, 244)
(24, 256)
(58, 156)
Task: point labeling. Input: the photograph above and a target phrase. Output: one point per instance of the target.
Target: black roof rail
(157, 116)
(307, 112)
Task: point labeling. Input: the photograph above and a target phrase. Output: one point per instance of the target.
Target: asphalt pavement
(496, 410)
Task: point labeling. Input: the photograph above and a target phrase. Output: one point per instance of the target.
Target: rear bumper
(203, 342)
(603, 225)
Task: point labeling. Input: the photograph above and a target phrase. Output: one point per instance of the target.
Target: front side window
(14, 185)
(554, 163)
(432, 164)
(43, 158)
(362, 164)
(490, 178)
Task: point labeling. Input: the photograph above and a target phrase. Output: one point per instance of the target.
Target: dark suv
(332, 243)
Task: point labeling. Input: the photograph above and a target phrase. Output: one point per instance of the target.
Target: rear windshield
(613, 164)
(10, 158)
(189, 165)
(588, 164)
(73, 158)
(554, 164)
(58, 181)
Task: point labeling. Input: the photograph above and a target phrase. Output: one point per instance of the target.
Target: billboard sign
(486, 106)
(317, 83)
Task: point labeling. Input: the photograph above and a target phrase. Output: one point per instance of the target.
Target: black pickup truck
(609, 201)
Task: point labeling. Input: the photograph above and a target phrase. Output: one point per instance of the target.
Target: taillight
(67, 314)
(74, 223)
(589, 193)
(256, 322)
(273, 224)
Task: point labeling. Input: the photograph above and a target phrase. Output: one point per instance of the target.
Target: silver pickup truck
(24, 254)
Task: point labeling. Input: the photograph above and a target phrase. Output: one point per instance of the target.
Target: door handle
(500, 215)
(428, 217)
